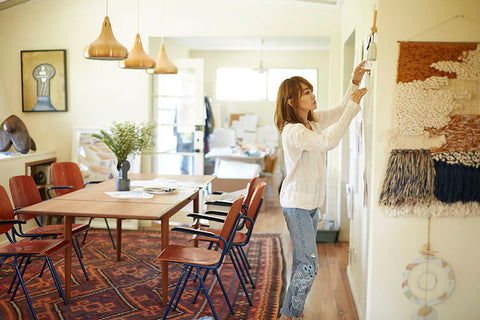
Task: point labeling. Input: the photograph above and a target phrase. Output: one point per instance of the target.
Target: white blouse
(305, 154)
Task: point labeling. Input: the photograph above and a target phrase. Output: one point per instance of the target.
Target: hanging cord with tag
(458, 16)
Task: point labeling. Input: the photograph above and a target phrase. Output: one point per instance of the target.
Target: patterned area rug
(131, 289)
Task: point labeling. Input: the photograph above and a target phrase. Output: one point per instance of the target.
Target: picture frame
(44, 80)
(96, 161)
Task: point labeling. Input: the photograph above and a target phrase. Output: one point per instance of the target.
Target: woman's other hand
(359, 72)
(358, 94)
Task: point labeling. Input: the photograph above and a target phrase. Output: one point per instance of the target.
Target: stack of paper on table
(134, 194)
(226, 197)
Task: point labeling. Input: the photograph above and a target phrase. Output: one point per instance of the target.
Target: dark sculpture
(13, 131)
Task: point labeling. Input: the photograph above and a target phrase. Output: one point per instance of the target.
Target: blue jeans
(302, 225)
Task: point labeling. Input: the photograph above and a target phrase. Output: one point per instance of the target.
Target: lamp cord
(138, 16)
(162, 14)
(428, 262)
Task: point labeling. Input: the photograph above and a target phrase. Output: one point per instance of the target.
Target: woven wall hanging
(434, 165)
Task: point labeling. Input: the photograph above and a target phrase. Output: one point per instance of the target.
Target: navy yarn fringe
(456, 182)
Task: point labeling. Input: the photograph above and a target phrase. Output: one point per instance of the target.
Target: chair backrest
(24, 193)
(250, 188)
(255, 203)
(231, 220)
(66, 174)
(6, 210)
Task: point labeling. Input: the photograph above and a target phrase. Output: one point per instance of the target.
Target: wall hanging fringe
(456, 182)
(409, 178)
(436, 209)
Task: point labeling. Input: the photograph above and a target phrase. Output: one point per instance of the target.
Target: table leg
(165, 237)
(196, 209)
(68, 256)
(119, 239)
(196, 203)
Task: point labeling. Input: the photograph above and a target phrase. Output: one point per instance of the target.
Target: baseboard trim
(356, 299)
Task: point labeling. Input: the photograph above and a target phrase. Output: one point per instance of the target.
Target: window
(240, 84)
(276, 76)
(250, 84)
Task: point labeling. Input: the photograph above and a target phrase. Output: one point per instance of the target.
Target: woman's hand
(358, 94)
(358, 73)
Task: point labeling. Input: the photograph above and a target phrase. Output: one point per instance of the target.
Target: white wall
(395, 242)
(98, 91)
(380, 246)
(357, 19)
(4, 109)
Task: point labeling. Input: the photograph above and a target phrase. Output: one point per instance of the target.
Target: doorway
(347, 169)
(178, 110)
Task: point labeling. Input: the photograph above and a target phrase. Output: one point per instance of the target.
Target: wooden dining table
(93, 201)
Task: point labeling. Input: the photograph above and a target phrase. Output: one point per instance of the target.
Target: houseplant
(125, 139)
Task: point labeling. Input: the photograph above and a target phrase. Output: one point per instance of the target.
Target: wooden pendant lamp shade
(163, 65)
(106, 47)
(137, 58)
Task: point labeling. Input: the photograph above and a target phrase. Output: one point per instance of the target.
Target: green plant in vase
(125, 139)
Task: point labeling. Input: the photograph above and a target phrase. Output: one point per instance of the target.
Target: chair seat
(189, 255)
(56, 229)
(239, 236)
(46, 247)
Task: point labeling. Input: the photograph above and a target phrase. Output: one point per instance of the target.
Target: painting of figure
(44, 86)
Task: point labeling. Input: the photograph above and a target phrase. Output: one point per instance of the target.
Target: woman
(303, 190)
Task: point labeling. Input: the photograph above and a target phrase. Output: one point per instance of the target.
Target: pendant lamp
(106, 47)
(260, 68)
(163, 65)
(137, 58)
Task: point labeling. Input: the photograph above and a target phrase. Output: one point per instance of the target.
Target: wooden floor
(330, 297)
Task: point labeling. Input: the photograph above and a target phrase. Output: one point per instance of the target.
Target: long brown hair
(290, 89)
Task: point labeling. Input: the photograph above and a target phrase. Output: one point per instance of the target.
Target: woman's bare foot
(284, 317)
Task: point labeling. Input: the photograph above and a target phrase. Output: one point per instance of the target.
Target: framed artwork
(44, 80)
(94, 158)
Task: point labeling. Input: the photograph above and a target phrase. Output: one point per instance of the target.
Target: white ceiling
(242, 43)
(253, 43)
(4, 4)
